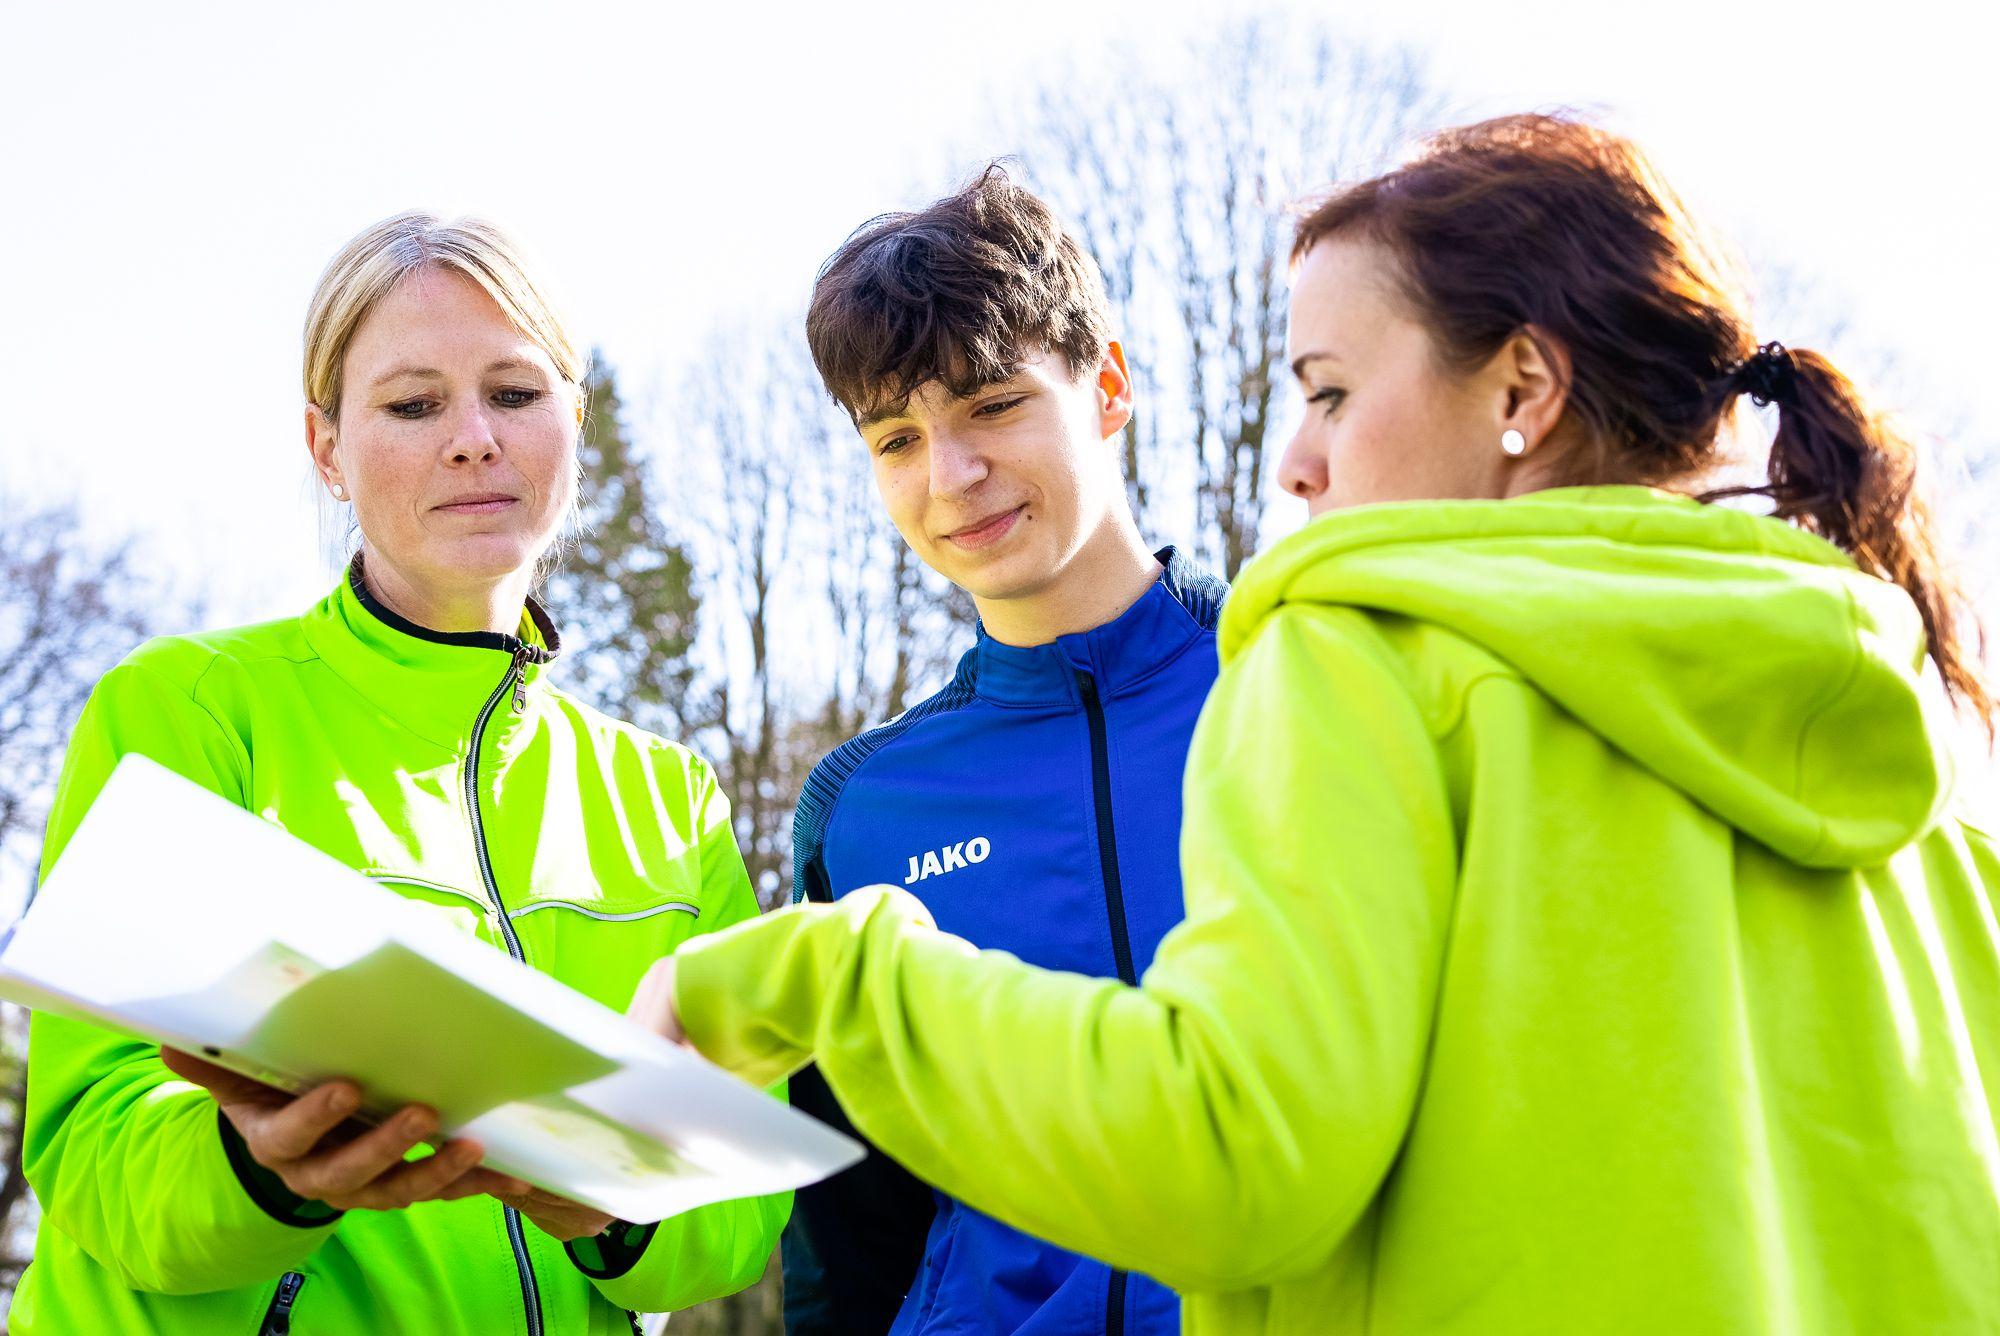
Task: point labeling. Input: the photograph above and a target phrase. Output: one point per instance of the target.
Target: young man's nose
(956, 467)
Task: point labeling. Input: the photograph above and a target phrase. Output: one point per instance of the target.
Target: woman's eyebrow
(432, 373)
(1312, 355)
(397, 373)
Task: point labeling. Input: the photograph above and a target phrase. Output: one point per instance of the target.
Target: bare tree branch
(69, 609)
(1180, 186)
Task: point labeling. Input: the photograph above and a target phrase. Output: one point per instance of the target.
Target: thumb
(228, 1087)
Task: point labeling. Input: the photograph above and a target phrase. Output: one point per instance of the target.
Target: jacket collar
(435, 683)
(1182, 606)
(537, 640)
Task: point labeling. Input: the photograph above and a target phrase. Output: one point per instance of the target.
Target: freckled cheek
(544, 457)
(389, 471)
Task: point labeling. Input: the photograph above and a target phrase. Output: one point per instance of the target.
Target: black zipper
(1107, 839)
(1114, 906)
(278, 1317)
(514, 681)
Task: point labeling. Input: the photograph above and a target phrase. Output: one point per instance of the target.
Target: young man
(1034, 804)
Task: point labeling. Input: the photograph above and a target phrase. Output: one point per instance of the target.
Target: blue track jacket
(1034, 805)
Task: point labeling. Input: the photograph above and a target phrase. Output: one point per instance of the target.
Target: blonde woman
(405, 725)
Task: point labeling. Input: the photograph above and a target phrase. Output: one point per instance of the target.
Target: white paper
(179, 917)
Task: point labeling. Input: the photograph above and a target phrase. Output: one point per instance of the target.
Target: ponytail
(1842, 472)
(1550, 224)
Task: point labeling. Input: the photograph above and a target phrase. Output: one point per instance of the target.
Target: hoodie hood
(1743, 661)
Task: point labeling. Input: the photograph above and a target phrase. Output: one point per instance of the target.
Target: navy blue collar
(1180, 607)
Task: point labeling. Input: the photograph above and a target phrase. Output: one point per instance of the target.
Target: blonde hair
(383, 255)
(365, 271)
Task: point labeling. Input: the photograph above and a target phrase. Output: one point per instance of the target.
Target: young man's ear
(1114, 391)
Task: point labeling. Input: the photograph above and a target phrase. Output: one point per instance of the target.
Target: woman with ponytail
(1584, 931)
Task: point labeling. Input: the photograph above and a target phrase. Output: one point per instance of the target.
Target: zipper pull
(278, 1318)
(520, 671)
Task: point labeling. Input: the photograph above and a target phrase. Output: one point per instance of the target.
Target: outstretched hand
(312, 1143)
(653, 1005)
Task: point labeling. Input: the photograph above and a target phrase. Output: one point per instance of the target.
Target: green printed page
(408, 1031)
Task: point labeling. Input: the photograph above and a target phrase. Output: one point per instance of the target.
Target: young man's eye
(515, 397)
(998, 407)
(894, 445)
(1330, 397)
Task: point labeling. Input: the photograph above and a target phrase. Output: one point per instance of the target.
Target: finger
(343, 1171)
(580, 1221)
(504, 1186)
(279, 1137)
(472, 1183)
(559, 1215)
(567, 1225)
(479, 1181)
(421, 1180)
(486, 1183)
(458, 1190)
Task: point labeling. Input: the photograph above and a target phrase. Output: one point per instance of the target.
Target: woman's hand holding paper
(309, 1142)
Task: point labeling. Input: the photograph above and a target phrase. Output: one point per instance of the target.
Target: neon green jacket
(406, 755)
(1578, 940)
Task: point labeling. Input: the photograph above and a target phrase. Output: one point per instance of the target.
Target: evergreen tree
(624, 592)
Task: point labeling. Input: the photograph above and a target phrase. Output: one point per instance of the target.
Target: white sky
(174, 177)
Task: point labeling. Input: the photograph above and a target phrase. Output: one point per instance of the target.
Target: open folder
(179, 917)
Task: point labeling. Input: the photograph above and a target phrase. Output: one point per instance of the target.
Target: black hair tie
(1767, 375)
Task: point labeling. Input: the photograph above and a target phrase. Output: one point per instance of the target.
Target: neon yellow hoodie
(1579, 938)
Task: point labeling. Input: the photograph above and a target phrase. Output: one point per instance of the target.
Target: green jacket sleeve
(1227, 1121)
(127, 1159)
(712, 1250)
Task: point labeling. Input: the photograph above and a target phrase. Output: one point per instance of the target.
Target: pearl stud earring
(339, 492)
(1513, 443)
